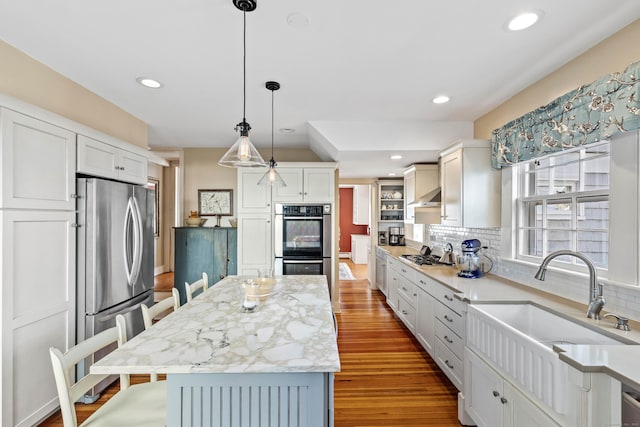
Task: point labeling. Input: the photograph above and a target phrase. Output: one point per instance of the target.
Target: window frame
(524, 184)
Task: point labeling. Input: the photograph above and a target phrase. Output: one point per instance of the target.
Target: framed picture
(154, 184)
(215, 202)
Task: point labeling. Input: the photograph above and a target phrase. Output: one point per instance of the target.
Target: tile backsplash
(621, 299)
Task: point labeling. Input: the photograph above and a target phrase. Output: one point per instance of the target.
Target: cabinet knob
(495, 393)
(74, 196)
(503, 400)
(448, 298)
(74, 225)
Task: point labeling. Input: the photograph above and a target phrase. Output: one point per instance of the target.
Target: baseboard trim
(158, 270)
(345, 254)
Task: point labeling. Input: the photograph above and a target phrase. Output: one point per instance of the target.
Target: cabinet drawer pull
(503, 400)
(448, 298)
(450, 366)
(415, 295)
(447, 339)
(447, 318)
(405, 289)
(404, 312)
(495, 393)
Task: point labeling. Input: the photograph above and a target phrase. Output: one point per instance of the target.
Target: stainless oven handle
(302, 217)
(296, 261)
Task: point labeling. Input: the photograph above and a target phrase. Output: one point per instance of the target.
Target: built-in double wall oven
(303, 239)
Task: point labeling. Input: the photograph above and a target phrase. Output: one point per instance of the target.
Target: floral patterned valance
(588, 114)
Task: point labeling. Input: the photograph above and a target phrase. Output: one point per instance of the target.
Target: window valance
(590, 113)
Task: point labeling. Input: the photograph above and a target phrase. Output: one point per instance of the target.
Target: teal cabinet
(212, 250)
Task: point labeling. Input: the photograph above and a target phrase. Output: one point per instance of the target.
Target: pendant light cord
(244, 66)
(272, 122)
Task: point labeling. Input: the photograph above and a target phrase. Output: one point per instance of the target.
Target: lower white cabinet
(381, 272)
(407, 303)
(425, 321)
(254, 243)
(393, 280)
(492, 401)
(38, 308)
(359, 252)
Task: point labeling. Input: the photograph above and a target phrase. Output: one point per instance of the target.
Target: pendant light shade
(272, 177)
(242, 153)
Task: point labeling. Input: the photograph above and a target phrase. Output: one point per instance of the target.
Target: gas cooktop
(420, 259)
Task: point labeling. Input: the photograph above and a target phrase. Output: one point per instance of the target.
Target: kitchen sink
(518, 339)
(544, 326)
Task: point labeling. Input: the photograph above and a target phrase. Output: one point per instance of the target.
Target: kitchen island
(226, 366)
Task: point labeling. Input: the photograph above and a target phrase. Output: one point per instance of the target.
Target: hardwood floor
(387, 379)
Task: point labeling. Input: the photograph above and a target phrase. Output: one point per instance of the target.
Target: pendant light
(242, 153)
(272, 177)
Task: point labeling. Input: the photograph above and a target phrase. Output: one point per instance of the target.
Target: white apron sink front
(518, 339)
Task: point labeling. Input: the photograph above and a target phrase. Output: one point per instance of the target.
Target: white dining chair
(149, 314)
(190, 289)
(133, 405)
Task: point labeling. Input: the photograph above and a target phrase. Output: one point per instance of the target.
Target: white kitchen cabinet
(493, 401)
(470, 187)
(37, 163)
(97, 158)
(253, 198)
(37, 261)
(381, 271)
(418, 180)
(359, 251)
(391, 201)
(425, 321)
(393, 281)
(38, 308)
(255, 248)
(407, 303)
(308, 184)
(361, 205)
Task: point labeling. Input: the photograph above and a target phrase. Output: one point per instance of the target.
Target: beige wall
(201, 171)
(24, 78)
(611, 55)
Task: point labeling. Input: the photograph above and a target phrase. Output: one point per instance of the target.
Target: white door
(293, 190)
(425, 323)
(452, 189)
(318, 185)
(483, 392)
(253, 198)
(254, 243)
(97, 158)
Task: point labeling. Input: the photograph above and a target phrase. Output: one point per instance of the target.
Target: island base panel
(247, 400)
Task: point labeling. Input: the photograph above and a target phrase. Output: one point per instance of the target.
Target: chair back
(64, 367)
(190, 289)
(150, 313)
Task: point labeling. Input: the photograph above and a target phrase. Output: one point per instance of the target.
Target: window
(563, 203)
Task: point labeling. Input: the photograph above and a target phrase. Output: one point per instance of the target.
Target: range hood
(428, 200)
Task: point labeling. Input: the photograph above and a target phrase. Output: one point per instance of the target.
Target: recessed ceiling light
(150, 83)
(391, 174)
(441, 99)
(287, 130)
(297, 20)
(524, 20)
(396, 157)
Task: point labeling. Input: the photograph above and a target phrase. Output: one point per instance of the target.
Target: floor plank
(387, 379)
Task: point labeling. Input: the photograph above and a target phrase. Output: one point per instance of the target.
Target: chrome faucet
(596, 299)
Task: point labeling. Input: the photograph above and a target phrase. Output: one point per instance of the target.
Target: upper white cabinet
(306, 183)
(253, 198)
(470, 187)
(418, 180)
(361, 205)
(37, 163)
(100, 159)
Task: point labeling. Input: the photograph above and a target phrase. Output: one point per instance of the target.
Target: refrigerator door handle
(130, 217)
(137, 251)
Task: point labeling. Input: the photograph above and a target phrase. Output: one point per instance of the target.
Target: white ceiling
(357, 81)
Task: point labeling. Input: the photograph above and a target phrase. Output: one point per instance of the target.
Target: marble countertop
(292, 331)
(616, 360)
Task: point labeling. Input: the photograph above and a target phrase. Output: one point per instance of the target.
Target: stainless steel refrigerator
(115, 257)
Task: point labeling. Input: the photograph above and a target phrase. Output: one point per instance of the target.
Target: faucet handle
(622, 322)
